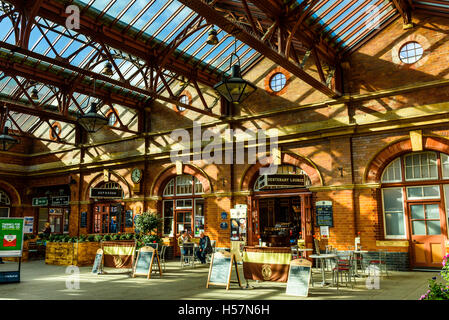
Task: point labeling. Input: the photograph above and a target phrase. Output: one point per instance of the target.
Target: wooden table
(323, 256)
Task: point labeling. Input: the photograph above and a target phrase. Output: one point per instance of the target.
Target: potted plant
(147, 224)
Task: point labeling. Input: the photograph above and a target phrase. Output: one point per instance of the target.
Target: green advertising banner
(11, 237)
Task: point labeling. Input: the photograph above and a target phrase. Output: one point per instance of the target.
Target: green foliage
(107, 237)
(123, 237)
(147, 222)
(91, 238)
(129, 236)
(438, 290)
(98, 237)
(115, 237)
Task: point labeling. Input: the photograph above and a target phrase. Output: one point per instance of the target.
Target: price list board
(324, 213)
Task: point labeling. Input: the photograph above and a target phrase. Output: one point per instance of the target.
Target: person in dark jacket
(205, 247)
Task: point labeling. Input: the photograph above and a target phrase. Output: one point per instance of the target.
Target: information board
(28, 224)
(220, 269)
(324, 213)
(83, 223)
(98, 262)
(299, 277)
(11, 237)
(144, 262)
(128, 219)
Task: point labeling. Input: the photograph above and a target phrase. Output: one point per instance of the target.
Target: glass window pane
(445, 165)
(394, 224)
(417, 211)
(419, 227)
(433, 227)
(4, 212)
(432, 191)
(393, 199)
(432, 211)
(414, 192)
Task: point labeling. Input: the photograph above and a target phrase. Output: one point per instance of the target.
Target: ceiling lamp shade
(107, 70)
(92, 121)
(34, 94)
(212, 38)
(235, 89)
(6, 141)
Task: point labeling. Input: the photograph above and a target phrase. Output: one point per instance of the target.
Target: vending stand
(11, 245)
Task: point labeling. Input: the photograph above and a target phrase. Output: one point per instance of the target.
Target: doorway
(426, 220)
(108, 218)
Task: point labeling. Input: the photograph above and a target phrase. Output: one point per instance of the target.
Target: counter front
(266, 263)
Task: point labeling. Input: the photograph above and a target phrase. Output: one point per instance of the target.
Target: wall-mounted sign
(283, 181)
(224, 215)
(324, 232)
(40, 202)
(28, 224)
(60, 201)
(224, 225)
(83, 223)
(106, 193)
(324, 213)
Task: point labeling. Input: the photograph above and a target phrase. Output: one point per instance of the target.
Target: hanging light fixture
(107, 70)
(35, 94)
(234, 88)
(183, 81)
(212, 38)
(92, 121)
(6, 141)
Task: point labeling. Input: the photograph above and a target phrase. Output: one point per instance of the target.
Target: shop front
(52, 206)
(108, 209)
(281, 208)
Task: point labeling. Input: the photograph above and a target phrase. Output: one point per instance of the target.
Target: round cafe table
(304, 250)
(323, 257)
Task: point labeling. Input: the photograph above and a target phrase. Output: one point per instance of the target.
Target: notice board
(98, 262)
(220, 269)
(299, 277)
(144, 262)
(324, 213)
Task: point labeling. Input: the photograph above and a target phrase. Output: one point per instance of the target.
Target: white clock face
(136, 175)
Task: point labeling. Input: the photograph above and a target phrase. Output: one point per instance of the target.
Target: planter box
(67, 253)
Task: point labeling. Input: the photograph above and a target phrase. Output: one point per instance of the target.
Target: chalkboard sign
(98, 262)
(220, 269)
(83, 220)
(129, 219)
(144, 262)
(324, 213)
(299, 277)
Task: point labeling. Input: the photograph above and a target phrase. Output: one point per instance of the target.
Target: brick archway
(12, 193)
(384, 157)
(250, 176)
(170, 172)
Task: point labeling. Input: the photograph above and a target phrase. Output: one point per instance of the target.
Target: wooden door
(101, 218)
(426, 228)
(306, 219)
(183, 221)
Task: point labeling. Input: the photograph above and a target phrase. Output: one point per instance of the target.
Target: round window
(278, 82)
(183, 99)
(411, 52)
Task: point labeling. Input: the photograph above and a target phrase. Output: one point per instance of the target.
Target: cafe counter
(266, 263)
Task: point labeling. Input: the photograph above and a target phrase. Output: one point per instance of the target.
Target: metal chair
(317, 251)
(380, 264)
(188, 255)
(162, 256)
(296, 254)
(343, 269)
(209, 255)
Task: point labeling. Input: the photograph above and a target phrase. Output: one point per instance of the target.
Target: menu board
(98, 262)
(144, 262)
(299, 278)
(324, 213)
(220, 269)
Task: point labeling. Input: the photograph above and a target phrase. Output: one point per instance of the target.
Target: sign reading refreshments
(106, 193)
(11, 237)
(60, 201)
(324, 213)
(282, 181)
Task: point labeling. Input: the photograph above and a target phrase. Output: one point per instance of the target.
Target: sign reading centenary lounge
(106, 193)
(283, 180)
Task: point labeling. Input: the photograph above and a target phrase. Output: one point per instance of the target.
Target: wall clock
(136, 175)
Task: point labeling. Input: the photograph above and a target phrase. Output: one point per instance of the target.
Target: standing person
(47, 230)
(204, 248)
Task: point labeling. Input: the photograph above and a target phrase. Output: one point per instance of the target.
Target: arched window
(5, 204)
(183, 206)
(415, 195)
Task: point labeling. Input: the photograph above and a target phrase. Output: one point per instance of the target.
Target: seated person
(204, 248)
(183, 238)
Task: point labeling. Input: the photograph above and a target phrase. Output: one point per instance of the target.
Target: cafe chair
(188, 257)
(343, 269)
(380, 264)
(209, 255)
(317, 252)
(162, 256)
(296, 254)
(32, 250)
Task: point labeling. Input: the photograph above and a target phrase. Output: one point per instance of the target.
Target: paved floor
(41, 281)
